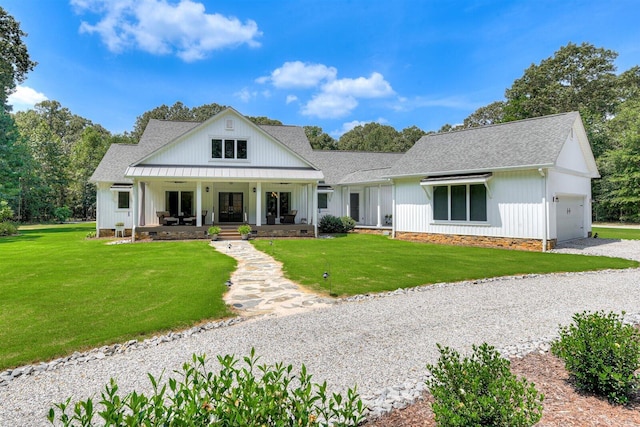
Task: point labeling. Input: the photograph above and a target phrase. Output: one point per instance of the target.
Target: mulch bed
(563, 406)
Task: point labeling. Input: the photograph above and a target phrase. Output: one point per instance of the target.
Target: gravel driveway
(374, 343)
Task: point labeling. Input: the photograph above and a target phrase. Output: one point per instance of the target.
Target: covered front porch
(187, 207)
(229, 231)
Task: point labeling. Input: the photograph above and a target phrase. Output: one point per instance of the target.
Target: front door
(354, 206)
(231, 207)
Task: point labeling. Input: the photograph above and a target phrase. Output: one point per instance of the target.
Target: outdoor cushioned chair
(289, 218)
(165, 218)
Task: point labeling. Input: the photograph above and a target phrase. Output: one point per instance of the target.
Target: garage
(570, 217)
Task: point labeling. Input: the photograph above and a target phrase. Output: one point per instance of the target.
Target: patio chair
(289, 218)
(165, 218)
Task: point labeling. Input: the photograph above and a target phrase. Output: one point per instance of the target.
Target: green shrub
(601, 354)
(481, 391)
(348, 223)
(330, 224)
(233, 397)
(62, 214)
(244, 229)
(8, 229)
(6, 213)
(214, 229)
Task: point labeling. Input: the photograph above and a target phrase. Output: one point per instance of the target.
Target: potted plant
(244, 231)
(213, 231)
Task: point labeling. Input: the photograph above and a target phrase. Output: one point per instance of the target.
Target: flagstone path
(258, 286)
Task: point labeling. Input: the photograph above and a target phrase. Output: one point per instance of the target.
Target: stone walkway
(259, 287)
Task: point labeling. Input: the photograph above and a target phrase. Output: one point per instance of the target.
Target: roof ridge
(494, 125)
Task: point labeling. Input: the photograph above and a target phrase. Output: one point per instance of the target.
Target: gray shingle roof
(293, 137)
(119, 156)
(526, 143)
(337, 166)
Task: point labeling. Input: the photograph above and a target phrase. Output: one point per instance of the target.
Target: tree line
(47, 154)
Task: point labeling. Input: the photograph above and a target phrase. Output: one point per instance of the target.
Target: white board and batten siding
(194, 148)
(107, 199)
(514, 208)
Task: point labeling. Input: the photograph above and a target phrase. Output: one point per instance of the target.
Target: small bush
(8, 229)
(91, 235)
(244, 229)
(62, 214)
(330, 224)
(481, 391)
(348, 223)
(233, 397)
(601, 354)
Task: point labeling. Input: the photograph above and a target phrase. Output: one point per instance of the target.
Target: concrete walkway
(259, 287)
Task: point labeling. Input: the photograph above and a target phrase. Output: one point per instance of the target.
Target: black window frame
(325, 203)
(124, 200)
(229, 149)
(460, 203)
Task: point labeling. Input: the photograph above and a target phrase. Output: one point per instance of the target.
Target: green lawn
(361, 264)
(61, 292)
(617, 233)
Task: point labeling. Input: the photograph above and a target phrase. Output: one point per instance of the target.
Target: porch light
(254, 189)
(206, 189)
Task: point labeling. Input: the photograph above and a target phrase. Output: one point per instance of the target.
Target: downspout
(545, 209)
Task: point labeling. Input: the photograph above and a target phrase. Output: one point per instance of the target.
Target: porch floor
(229, 231)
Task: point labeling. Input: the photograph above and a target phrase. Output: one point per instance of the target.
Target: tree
(177, 111)
(14, 157)
(409, 136)
(371, 137)
(487, 115)
(14, 57)
(262, 120)
(86, 155)
(320, 140)
(577, 78)
(619, 194)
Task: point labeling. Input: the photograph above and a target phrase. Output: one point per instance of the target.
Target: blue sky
(333, 64)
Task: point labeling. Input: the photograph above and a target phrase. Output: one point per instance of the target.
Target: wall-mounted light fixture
(254, 189)
(206, 189)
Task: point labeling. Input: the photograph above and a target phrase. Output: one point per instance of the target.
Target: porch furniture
(165, 218)
(204, 217)
(289, 218)
(119, 230)
(271, 219)
(189, 220)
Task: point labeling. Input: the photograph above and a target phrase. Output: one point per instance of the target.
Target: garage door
(570, 217)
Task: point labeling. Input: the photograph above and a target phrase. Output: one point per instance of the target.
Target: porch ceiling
(211, 173)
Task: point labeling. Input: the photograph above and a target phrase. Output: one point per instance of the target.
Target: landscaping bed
(563, 405)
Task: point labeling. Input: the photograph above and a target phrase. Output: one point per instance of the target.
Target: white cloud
(329, 106)
(245, 95)
(297, 74)
(334, 98)
(373, 87)
(24, 98)
(161, 28)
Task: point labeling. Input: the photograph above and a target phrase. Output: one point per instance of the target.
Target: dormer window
(229, 149)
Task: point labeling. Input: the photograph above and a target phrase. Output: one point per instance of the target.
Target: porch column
(379, 223)
(134, 220)
(394, 217)
(309, 203)
(258, 204)
(199, 204)
(348, 204)
(314, 215)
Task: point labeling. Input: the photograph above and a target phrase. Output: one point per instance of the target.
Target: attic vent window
(228, 124)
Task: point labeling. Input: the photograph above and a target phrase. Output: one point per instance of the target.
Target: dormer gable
(227, 139)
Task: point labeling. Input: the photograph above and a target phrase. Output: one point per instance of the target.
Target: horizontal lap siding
(514, 210)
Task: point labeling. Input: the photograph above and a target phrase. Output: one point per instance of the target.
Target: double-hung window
(229, 149)
(123, 200)
(460, 203)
